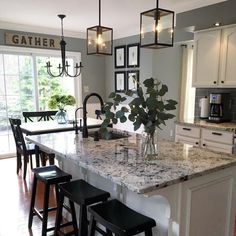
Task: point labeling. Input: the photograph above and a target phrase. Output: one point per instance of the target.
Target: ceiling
(122, 15)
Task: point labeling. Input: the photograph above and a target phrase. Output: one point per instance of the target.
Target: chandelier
(157, 28)
(63, 68)
(99, 38)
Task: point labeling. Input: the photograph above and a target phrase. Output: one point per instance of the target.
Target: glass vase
(61, 116)
(149, 145)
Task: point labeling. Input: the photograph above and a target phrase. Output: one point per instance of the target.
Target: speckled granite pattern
(227, 126)
(121, 162)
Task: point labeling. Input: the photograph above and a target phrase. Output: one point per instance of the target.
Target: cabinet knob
(222, 81)
(204, 145)
(214, 82)
(196, 143)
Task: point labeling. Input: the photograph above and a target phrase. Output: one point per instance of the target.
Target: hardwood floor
(15, 201)
(15, 198)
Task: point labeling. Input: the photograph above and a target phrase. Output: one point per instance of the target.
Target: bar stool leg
(148, 232)
(37, 155)
(59, 214)
(32, 203)
(83, 226)
(45, 209)
(73, 216)
(92, 226)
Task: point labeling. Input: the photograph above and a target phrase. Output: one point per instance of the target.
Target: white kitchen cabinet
(228, 52)
(214, 57)
(187, 134)
(206, 58)
(221, 141)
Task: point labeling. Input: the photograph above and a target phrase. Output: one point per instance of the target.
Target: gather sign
(33, 40)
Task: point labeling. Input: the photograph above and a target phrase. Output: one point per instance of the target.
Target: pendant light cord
(62, 35)
(99, 12)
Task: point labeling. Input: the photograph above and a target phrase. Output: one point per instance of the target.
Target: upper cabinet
(214, 55)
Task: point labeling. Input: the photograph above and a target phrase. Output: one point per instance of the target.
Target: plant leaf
(123, 119)
(163, 90)
(112, 95)
(149, 83)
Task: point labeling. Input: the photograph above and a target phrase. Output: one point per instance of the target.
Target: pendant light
(63, 68)
(99, 38)
(157, 28)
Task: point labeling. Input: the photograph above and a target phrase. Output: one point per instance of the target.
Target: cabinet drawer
(218, 147)
(218, 136)
(187, 131)
(187, 140)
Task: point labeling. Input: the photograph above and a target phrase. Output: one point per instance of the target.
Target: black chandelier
(157, 28)
(64, 67)
(99, 38)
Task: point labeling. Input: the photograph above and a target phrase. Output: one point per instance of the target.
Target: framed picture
(132, 80)
(120, 57)
(120, 77)
(133, 55)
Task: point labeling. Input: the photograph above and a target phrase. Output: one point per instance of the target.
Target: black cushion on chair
(51, 174)
(83, 193)
(120, 219)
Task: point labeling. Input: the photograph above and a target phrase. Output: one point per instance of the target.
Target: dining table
(44, 127)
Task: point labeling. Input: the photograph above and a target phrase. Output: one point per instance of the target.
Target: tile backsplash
(202, 92)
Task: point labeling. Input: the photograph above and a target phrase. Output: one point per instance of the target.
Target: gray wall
(94, 66)
(163, 64)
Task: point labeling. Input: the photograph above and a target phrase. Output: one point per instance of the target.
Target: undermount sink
(111, 135)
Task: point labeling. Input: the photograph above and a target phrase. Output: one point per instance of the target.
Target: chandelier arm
(52, 75)
(77, 72)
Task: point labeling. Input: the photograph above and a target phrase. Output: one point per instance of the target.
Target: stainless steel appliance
(220, 106)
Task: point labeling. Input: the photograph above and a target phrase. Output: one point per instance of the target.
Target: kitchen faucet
(76, 123)
(85, 128)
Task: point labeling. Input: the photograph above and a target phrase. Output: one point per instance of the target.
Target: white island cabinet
(189, 191)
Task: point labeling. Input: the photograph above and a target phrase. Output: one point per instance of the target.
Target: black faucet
(85, 127)
(76, 123)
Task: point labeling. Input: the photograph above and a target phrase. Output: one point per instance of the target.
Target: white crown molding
(40, 30)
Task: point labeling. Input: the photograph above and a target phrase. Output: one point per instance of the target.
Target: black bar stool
(119, 219)
(84, 194)
(49, 175)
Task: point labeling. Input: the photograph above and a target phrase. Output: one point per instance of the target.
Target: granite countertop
(225, 126)
(121, 162)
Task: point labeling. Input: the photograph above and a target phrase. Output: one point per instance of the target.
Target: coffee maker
(219, 108)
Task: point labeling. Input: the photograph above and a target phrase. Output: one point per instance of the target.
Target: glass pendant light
(99, 38)
(157, 28)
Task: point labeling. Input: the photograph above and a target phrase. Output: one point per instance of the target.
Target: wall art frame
(132, 80)
(120, 81)
(133, 55)
(120, 56)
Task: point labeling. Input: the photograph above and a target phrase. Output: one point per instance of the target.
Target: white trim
(40, 30)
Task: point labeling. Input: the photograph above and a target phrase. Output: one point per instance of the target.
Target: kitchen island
(189, 191)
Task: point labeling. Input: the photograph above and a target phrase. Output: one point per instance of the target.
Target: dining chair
(22, 148)
(38, 115)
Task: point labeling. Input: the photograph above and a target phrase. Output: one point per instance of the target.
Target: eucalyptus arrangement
(60, 101)
(147, 107)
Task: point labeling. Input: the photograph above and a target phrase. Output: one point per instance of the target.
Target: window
(26, 86)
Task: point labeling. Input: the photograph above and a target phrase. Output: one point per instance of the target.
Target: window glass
(11, 65)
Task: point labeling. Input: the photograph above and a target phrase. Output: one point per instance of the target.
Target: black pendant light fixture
(99, 38)
(63, 69)
(157, 28)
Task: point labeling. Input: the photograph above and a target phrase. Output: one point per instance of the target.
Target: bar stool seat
(83, 194)
(49, 175)
(119, 219)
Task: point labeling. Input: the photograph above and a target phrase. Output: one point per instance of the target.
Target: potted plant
(60, 101)
(147, 107)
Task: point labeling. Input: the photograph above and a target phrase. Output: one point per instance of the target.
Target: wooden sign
(28, 40)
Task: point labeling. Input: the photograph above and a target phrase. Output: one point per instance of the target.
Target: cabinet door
(228, 68)
(206, 58)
